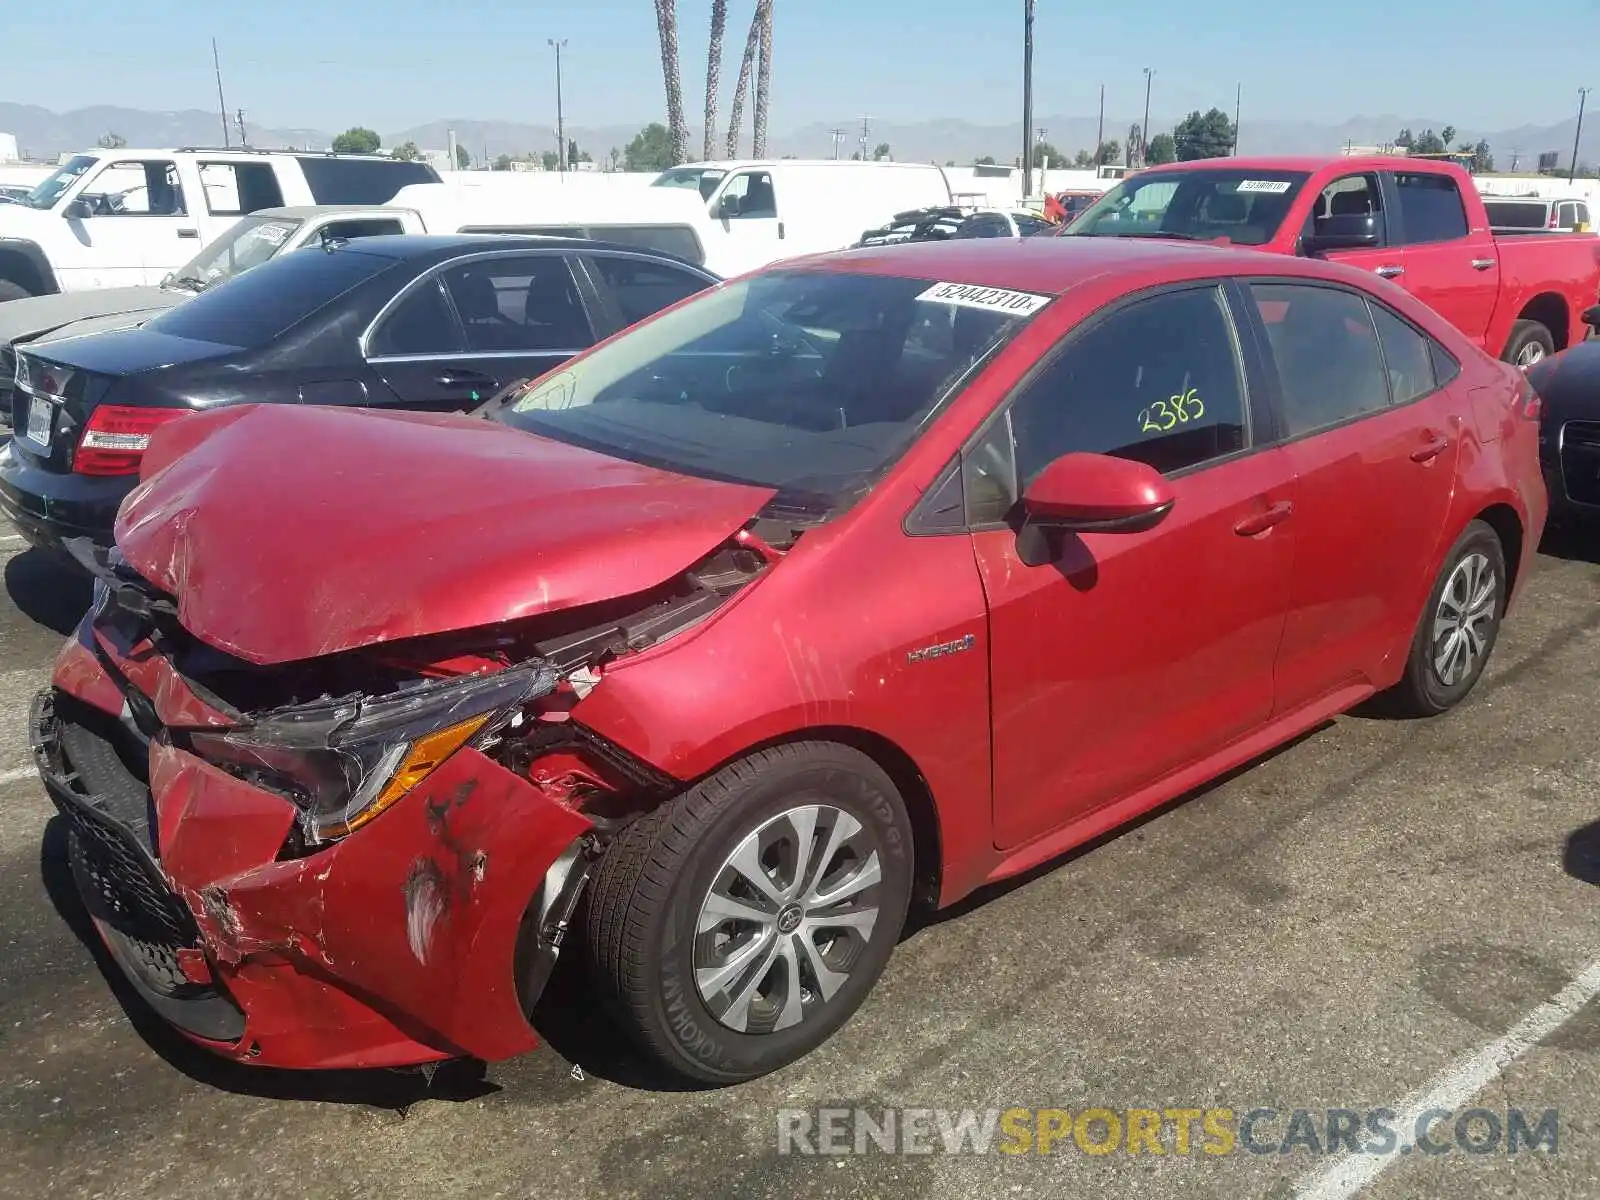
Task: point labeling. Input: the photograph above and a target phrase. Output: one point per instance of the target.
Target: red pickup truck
(1418, 222)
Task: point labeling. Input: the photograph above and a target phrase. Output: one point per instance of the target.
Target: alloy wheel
(1531, 353)
(1464, 620)
(787, 917)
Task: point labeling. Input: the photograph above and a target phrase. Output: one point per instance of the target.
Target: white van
(762, 211)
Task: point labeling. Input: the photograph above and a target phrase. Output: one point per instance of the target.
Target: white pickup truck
(250, 242)
(119, 218)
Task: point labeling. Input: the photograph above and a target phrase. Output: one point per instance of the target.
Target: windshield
(50, 188)
(808, 382)
(704, 178)
(1229, 204)
(248, 244)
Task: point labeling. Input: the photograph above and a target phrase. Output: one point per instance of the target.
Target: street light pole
(1144, 130)
(1583, 94)
(561, 125)
(1027, 98)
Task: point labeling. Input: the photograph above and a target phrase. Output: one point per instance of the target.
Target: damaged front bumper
(424, 935)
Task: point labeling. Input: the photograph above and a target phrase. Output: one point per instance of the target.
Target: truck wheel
(1458, 629)
(12, 291)
(737, 927)
(1530, 342)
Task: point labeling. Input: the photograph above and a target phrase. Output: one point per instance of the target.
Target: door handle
(1436, 447)
(188, 233)
(455, 379)
(1264, 520)
(1391, 272)
(780, 231)
(1482, 264)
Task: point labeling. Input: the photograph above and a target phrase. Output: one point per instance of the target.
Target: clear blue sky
(397, 63)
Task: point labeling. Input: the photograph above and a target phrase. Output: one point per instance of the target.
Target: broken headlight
(345, 761)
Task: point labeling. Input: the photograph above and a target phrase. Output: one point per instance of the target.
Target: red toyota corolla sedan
(883, 574)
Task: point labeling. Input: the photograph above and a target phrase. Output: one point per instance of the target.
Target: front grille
(8, 393)
(1580, 461)
(132, 896)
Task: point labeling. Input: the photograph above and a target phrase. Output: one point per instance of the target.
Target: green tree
(357, 140)
(575, 155)
(651, 149)
(880, 152)
(1404, 139)
(1108, 152)
(1044, 151)
(503, 163)
(550, 160)
(1163, 148)
(983, 160)
(463, 158)
(406, 152)
(1447, 134)
(1482, 160)
(1203, 135)
(1428, 142)
(616, 157)
(113, 141)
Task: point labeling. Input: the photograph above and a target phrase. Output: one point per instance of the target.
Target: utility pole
(561, 124)
(1144, 129)
(866, 134)
(222, 105)
(239, 117)
(1100, 129)
(1583, 94)
(1027, 98)
(837, 135)
(1238, 93)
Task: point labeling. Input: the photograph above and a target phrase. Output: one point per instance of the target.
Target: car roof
(305, 212)
(435, 246)
(1051, 266)
(1302, 162)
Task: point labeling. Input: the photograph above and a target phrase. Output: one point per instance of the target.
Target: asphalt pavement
(1384, 915)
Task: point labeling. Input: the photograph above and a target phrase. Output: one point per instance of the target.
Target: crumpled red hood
(288, 532)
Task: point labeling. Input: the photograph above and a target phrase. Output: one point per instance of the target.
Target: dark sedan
(1569, 432)
(412, 323)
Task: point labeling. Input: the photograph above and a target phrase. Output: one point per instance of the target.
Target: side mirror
(1345, 231)
(728, 206)
(1591, 316)
(79, 210)
(1095, 493)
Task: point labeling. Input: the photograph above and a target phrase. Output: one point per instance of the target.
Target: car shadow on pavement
(922, 916)
(1580, 858)
(48, 592)
(396, 1090)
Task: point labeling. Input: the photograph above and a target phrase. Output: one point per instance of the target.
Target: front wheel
(1458, 628)
(737, 927)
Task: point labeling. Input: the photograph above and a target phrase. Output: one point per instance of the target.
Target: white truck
(119, 218)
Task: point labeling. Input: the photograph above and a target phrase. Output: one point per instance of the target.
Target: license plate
(41, 414)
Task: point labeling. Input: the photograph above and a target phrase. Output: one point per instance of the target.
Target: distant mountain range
(45, 135)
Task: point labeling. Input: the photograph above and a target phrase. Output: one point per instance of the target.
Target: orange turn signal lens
(424, 757)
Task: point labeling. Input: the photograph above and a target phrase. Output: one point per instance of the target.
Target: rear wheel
(1530, 342)
(1458, 628)
(739, 926)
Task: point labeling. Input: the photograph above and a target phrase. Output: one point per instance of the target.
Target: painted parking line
(1344, 1177)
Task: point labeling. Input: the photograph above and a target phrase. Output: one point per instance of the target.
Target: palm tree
(736, 115)
(763, 79)
(719, 24)
(677, 126)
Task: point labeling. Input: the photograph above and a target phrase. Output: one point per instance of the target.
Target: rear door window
(234, 189)
(1430, 207)
(519, 304)
(422, 324)
(366, 227)
(1330, 366)
(1407, 356)
(641, 288)
(361, 180)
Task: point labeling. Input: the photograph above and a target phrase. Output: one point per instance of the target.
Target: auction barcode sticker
(1275, 186)
(972, 295)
